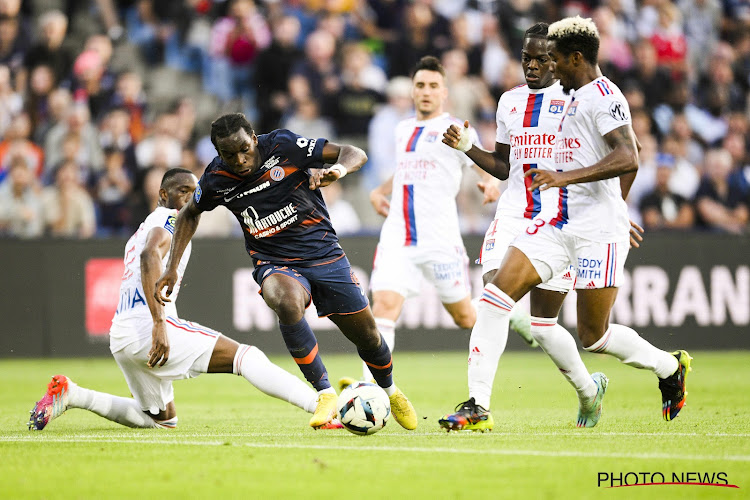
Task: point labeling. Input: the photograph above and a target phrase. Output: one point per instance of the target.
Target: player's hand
(458, 138)
(380, 203)
(323, 177)
(491, 191)
(545, 179)
(159, 353)
(168, 279)
(636, 235)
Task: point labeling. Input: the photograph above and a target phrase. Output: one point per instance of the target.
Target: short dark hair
(429, 63)
(575, 34)
(539, 30)
(226, 125)
(171, 174)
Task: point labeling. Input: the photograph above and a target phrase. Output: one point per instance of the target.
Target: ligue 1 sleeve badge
(198, 193)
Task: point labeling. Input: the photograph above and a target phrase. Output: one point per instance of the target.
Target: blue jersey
(283, 221)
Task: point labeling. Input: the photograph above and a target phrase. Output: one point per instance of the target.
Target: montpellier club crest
(277, 173)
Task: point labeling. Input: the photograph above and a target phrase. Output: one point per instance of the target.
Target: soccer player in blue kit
(270, 183)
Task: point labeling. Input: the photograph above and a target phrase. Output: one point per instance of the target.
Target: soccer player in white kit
(528, 117)
(596, 157)
(153, 346)
(421, 236)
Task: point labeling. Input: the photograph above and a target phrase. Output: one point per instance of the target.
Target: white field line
(400, 449)
(174, 434)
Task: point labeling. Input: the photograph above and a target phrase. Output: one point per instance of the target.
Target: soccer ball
(364, 408)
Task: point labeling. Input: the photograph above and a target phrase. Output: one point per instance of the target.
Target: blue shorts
(333, 287)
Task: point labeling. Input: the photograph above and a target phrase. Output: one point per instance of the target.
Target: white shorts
(190, 349)
(400, 269)
(550, 250)
(499, 237)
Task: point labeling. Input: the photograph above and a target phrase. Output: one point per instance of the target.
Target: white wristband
(464, 143)
(340, 169)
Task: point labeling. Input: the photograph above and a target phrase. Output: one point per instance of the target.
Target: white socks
(387, 329)
(125, 411)
(559, 345)
(487, 342)
(251, 363)
(626, 345)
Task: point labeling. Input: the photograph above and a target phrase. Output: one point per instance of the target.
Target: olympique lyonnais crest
(431, 137)
(572, 108)
(556, 106)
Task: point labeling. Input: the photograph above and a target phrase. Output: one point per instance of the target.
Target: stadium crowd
(98, 98)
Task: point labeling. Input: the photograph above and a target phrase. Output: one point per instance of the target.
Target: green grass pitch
(234, 442)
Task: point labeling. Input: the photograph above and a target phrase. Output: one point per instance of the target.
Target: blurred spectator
(615, 57)
(14, 43)
(317, 72)
(89, 156)
(380, 20)
(185, 114)
(515, 18)
(11, 102)
(381, 141)
(41, 85)
(51, 49)
(59, 103)
(20, 204)
(235, 43)
(466, 36)
(217, 223)
(645, 181)
(669, 40)
(425, 33)
(685, 177)
(16, 143)
(68, 208)
(91, 86)
(343, 216)
(114, 133)
(273, 67)
(112, 189)
(469, 98)
(647, 75)
(306, 121)
(161, 148)
(129, 95)
(719, 204)
(662, 209)
(494, 51)
(354, 105)
(357, 68)
(702, 24)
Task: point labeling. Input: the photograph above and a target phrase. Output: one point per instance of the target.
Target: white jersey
(527, 120)
(427, 179)
(592, 210)
(132, 304)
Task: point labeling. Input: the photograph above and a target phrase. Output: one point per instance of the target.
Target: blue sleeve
(301, 151)
(204, 196)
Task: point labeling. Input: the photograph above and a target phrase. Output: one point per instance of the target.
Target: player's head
(177, 186)
(236, 142)
(535, 59)
(428, 87)
(573, 45)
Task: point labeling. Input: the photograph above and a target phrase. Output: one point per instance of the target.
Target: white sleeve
(502, 136)
(611, 112)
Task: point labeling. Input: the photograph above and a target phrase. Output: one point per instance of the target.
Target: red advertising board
(103, 277)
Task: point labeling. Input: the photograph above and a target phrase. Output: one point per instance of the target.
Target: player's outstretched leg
(589, 412)
(673, 392)
(469, 416)
(53, 404)
(625, 344)
(63, 393)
